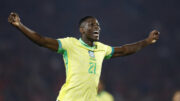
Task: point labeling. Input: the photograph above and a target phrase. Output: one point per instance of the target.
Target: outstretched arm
(134, 47)
(32, 35)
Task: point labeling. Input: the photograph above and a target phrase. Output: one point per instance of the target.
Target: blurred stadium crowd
(30, 73)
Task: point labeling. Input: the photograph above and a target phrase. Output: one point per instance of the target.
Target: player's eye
(92, 24)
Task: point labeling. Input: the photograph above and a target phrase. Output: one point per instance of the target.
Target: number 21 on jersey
(92, 68)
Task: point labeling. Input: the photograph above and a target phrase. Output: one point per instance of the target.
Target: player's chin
(96, 39)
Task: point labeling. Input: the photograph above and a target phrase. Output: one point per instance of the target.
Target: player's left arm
(134, 47)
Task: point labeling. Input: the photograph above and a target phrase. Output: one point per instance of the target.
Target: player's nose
(97, 28)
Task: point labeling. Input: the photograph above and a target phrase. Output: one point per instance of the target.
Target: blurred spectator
(176, 96)
(102, 94)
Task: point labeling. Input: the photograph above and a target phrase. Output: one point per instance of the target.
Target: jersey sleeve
(64, 44)
(109, 51)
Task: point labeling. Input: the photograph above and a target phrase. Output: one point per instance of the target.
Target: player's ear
(81, 30)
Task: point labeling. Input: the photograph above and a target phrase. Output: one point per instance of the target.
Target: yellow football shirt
(104, 96)
(83, 68)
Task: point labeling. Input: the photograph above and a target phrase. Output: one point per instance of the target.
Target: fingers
(155, 32)
(13, 14)
(154, 36)
(13, 18)
(10, 19)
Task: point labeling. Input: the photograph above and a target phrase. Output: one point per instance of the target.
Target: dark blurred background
(32, 73)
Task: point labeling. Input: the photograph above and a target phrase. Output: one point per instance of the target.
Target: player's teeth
(96, 31)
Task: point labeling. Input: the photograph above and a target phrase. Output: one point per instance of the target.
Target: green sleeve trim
(60, 49)
(110, 55)
(65, 55)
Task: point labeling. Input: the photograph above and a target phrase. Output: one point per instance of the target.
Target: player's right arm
(46, 42)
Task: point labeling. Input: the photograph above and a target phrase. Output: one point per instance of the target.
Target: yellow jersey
(104, 96)
(83, 68)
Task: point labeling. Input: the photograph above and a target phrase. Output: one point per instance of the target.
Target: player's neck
(88, 42)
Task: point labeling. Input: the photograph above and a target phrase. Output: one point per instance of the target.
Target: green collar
(86, 45)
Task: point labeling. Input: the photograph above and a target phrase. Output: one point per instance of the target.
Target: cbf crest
(91, 54)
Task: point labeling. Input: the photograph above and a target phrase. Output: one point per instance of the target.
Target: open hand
(14, 19)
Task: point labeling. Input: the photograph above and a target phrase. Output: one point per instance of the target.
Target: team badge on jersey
(91, 54)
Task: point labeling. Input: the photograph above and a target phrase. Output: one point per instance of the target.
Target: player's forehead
(89, 21)
(92, 20)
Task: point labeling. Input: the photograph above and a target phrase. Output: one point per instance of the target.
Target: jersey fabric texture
(83, 68)
(104, 96)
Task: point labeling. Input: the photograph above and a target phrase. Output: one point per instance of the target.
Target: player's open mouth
(96, 33)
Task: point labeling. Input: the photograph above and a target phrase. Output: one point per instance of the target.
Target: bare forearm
(130, 48)
(134, 47)
(30, 34)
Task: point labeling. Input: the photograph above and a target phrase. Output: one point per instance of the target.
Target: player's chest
(90, 60)
(85, 54)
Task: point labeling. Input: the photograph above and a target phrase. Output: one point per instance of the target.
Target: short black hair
(84, 19)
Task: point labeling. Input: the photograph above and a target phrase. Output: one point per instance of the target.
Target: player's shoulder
(68, 39)
(100, 44)
(72, 39)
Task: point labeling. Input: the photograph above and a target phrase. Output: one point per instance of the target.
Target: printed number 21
(92, 68)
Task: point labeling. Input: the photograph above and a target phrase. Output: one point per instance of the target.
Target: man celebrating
(83, 58)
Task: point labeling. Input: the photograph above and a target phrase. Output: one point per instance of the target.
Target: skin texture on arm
(134, 47)
(46, 42)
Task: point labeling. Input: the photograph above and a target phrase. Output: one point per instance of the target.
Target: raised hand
(153, 36)
(14, 19)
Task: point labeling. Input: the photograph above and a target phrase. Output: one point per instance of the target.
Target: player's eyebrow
(92, 23)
